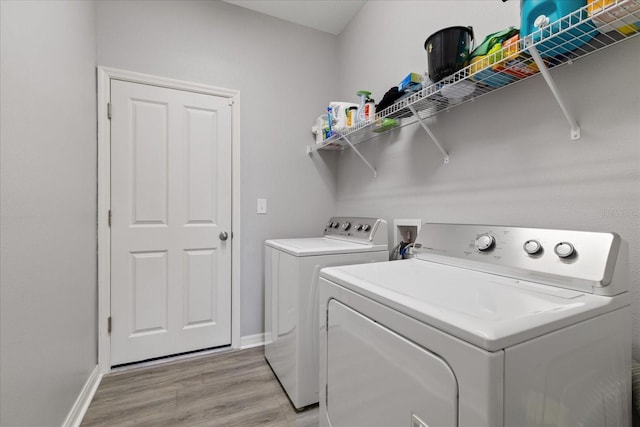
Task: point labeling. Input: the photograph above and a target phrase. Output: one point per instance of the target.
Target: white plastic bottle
(364, 96)
(369, 110)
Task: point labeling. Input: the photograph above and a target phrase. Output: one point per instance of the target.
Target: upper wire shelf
(587, 30)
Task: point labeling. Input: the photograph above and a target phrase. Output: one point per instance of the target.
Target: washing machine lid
(322, 246)
(491, 311)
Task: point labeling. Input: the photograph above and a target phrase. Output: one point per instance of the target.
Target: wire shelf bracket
(353, 147)
(335, 144)
(430, 133)
(533, 51)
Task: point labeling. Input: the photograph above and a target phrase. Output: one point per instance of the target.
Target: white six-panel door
(170, 203)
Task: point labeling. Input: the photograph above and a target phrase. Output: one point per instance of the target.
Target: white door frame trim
(105, 75)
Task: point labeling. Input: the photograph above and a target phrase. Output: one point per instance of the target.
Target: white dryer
(487, 326)
(292, 267)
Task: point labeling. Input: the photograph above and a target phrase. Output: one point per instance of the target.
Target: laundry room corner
(320, 213)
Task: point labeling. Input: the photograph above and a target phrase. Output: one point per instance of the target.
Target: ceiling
(330, 16)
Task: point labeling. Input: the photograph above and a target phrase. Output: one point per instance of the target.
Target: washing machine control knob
(358, 227)
(532, 247)
(564, 249)
(484, 242)
(336, 224)
(346, 226)
(366, 227)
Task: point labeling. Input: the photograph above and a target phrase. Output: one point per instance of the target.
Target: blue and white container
(559, 22)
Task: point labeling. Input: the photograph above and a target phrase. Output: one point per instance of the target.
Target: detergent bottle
(339, 113)
(364, 97)
(539, 18)
(329, 130)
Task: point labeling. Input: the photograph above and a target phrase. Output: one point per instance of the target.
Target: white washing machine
(487, 326)
(292, 267)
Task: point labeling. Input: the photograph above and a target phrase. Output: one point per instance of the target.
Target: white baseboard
(249, 341)
(76, 414)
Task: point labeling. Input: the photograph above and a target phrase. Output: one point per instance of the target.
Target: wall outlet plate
(262, 206)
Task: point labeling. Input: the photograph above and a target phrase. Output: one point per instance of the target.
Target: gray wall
(281, 70)
(512, 161)
(48, 333)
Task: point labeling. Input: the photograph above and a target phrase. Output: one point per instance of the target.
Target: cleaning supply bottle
(351, 116)
(364, 96)
(369, 110)
(330, 121)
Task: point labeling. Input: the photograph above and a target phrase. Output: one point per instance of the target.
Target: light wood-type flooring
(235, 388)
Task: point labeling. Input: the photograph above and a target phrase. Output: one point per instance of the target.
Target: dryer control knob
(366, 227)
(485, 242)
(346, 226)
(532, 247)
(358, 227)
(336, 224)
(564, 249)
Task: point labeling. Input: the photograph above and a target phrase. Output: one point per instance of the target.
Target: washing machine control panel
(357, 228)
(578, 260)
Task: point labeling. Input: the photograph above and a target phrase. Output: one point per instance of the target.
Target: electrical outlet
(262, 206)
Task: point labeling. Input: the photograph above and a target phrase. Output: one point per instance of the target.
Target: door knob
(224, 235)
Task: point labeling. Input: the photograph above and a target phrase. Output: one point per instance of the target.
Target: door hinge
(109, 325)
(326, 395)
(109, 218)
(109, 110)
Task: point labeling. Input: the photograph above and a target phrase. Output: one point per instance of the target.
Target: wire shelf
(600, 24)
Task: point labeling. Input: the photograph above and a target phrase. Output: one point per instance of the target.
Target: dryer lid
(321, 246)
(490, 311)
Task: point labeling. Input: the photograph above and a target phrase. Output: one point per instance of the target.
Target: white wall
(512, 161)
(281, 72)
(48, 332)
